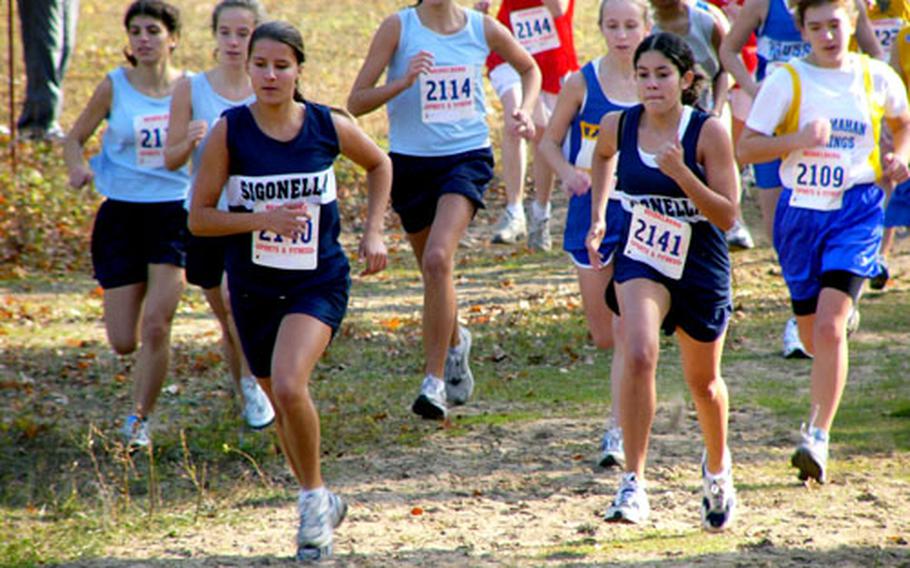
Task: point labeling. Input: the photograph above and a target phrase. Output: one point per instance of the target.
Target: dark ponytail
(680, 54)
(285, 33)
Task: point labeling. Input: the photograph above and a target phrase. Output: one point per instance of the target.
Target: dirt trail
(527, 494)
(515, 494)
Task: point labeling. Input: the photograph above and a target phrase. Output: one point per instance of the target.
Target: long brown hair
(168, 15)
(285, 33)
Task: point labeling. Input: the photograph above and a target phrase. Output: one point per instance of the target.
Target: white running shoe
(853, 321)
(136, 432)
(510, 228)
(321, 511)
(257, 410)
(611, 450)
(793, 345)
(539, 238)
(431, 402)
(458, 377)
(719, 502)
(739, 237)
(631, 502)
(811, 455)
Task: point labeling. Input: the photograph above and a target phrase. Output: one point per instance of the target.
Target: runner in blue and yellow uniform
(604, 85)
(828, 223)
(779, 40)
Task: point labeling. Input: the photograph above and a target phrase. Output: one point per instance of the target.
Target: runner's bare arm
(603, 167)
(865, 35)
(718, 199)
(748, 19)
(755, 147)
(568, 103)
(357, 146)
(98, 107)
(182, 134)
(721, 81)
(895, 162)
(365, 96)
(504, 43)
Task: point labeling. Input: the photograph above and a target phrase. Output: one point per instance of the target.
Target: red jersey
(547, 38)
(750, 59)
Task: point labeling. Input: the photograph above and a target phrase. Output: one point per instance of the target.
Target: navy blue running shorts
(703, 314)
(258, 317)
(205, 260)
(579, 257)
(128, 236)
(419, 181)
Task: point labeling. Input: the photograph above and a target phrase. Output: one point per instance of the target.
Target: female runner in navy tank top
(604, 85)
(828, 223)
(678, 185)
(287, 272)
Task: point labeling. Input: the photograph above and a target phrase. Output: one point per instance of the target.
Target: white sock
(715, 476)
(515, 210)
(540, 212)
(318, 492)
(727, 467)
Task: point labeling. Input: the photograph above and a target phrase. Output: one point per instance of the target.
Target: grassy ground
(509, 481)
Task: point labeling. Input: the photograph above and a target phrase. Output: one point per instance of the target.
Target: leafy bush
(45, 224)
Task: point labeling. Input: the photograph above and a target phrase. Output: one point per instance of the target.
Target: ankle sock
(540, 212)
(515, 210)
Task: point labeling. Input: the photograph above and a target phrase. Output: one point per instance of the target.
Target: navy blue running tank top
(706, 263)
(266, 173)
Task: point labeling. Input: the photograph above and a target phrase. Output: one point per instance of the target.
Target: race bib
(585, 155)
(534, 29)
(659, 241)
(150, 133)
(886, 32)
(447, 94)
(820, 177)
(277, 251)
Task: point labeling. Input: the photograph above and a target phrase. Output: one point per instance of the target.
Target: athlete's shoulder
(235, 112)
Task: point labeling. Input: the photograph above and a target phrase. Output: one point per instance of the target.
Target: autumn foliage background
(507, 481)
